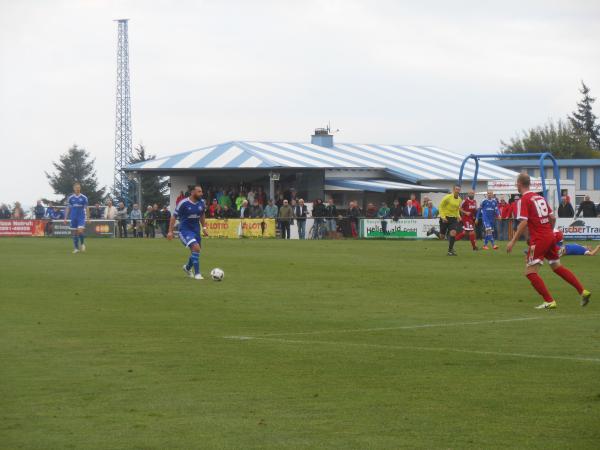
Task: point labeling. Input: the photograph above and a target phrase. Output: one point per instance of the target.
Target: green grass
(115, 348)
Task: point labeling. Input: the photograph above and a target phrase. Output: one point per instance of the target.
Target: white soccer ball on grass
(217, 274)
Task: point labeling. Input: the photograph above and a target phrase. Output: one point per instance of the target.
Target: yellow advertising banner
(241, 228)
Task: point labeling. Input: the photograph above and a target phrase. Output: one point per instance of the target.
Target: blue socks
(195, 258)
(76, 242)
(81, 239)
(190, 263)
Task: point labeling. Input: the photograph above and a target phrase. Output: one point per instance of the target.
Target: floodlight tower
(123, 151)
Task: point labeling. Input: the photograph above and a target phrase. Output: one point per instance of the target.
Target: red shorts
(467, 223)
(543, 248)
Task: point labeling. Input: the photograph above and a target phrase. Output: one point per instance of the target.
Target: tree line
(576, 136)
(77, 165)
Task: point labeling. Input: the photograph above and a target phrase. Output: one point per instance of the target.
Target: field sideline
(305, 344)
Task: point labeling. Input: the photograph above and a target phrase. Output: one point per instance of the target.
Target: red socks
(539, 285)
(460, 235)
(569, 277)
(472, 239)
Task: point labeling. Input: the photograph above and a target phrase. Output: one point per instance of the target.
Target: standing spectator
(505, 211)
(586, 207)
(165, 216)
(96, 212)
(225, 200)
(49, 211)
(262, 197)
(300, 213)
(319, 212)
(57, 213)
(331, 214)
(415, 203)
(384, 211)
(409, 210)
(110, 211)
(256, 211)
(180, 197)
(371, 211)
(250, 197)
(244, 210)
(240, 199)
(136, 221)
(286, 216)
(396, 211)
(430, 211)
(514, 213)
(271, 210)
(383, 214)
(39, 210)
(565, 209)
(4, 212)
(425, 203)
(212, 209)
(18, 212)
(354, 213)
(150, 222)
(121, 217)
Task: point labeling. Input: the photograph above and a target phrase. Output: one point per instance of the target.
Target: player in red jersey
(468, 211)
(535, 214)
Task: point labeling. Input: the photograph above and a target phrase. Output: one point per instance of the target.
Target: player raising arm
(190, 212)
(535, 214)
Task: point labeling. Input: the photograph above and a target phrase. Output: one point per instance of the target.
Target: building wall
(179, 183)
(587, 179)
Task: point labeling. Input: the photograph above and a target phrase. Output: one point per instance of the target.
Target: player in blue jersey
(76, 211)
(190, 213)
(573, 249)
(488, 212)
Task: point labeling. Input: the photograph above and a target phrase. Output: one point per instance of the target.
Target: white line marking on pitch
(429, 349)
(426, 325)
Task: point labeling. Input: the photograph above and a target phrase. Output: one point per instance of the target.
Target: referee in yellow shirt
(449, 217)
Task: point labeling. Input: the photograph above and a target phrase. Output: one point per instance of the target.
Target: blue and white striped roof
(409, 162)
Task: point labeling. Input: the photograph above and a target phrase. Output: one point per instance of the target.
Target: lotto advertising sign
(397, 229)
(22, 228)
(239, 228)
(93, 228)
(580, 228)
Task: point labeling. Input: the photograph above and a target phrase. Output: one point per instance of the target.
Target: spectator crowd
(287, 209)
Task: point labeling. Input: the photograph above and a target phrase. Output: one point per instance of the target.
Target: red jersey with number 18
(534, 208)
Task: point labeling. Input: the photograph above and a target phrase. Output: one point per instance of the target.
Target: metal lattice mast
(123, 144)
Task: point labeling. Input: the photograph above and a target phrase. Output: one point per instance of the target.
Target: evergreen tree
(584, 120)
(155, 189)
(75, 166)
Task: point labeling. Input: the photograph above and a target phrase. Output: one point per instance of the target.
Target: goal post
(542, 157)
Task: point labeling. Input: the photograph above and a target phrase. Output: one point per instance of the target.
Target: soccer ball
(217, 274)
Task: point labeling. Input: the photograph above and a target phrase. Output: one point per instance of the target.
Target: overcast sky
(460, 75)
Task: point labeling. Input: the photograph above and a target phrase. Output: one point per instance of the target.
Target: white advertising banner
(397, 229)
(583, 228)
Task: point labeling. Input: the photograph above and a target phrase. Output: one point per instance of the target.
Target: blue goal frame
(542, 157)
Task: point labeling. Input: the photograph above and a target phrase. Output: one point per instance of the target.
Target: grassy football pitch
(345, 344)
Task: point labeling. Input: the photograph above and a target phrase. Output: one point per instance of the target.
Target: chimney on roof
(322, 137)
